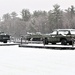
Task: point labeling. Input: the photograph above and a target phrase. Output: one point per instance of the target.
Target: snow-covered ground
(7, 43)
(49, 45)
(34, 61)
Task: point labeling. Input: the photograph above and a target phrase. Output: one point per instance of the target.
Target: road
(32, 61)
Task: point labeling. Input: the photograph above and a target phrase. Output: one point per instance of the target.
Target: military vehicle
(64, 36)
(4, 37)
(34, 36)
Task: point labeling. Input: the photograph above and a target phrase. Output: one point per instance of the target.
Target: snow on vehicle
(65, 36)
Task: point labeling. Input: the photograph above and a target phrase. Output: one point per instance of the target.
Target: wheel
(53, 43)
(5, 42)
(64, 42)
(70, 43)
(45, 41)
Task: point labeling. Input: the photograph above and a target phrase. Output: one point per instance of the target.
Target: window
(72, 31)
(63, 32)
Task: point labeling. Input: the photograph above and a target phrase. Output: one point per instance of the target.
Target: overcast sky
(8, 6)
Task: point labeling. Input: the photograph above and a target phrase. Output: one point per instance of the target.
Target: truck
(34, 36)
(64, 36)
(4, 37)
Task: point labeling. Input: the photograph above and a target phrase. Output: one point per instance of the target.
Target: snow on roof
(64, 29)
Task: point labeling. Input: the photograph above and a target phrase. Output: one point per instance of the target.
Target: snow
(7, 43)
(49, 45)
(16, 60)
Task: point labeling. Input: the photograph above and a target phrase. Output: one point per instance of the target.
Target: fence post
(21, 39)
(72, 41)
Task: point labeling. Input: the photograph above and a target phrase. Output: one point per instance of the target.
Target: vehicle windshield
(54, 32)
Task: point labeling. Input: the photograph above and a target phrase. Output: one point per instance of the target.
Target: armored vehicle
(64, 36)
(4, 37)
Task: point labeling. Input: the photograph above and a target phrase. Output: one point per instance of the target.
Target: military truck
(4, 37)
(64, 36)
(34, 36)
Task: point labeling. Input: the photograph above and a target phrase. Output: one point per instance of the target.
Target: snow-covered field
(32, 61)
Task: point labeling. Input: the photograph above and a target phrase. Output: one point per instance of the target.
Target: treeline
(38, 21)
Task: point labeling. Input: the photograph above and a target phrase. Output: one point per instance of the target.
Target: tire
(45, 41)
(70, 43)
(5, 42)
(53, 43)
(64, 42)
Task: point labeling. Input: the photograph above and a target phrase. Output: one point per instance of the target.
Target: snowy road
(31, 61)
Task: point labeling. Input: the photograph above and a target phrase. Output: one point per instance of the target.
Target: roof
(64, 29)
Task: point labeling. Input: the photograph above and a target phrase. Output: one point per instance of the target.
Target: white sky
(8, 6)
